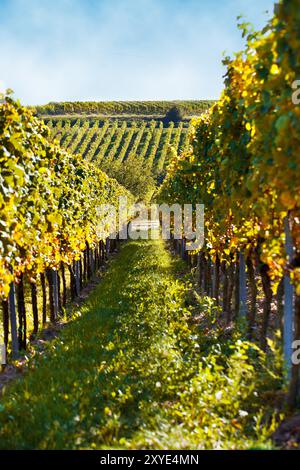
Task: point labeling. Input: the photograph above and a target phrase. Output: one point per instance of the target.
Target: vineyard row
(243, 165)
(96, 140)
(51, 234)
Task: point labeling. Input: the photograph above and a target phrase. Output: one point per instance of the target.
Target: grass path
(133, 371)
(87, 390)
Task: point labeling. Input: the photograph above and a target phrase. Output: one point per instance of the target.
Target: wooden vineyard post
(213, 280)
(118, 241)
(5, 309)
(21, 313)
(72, 281)
(107, 247)
(44, 296)
(206, 274)
(237, 288)
(3, 352)
(81, 272)
(59, 292)
(279, 302)
(242, 286)
(35, 315)
(266, 284)
(84, 265)
(94, 260)
(88, 261)
(13, 320)
(100, 254)
(253, 296)
(55, 292)
(64, 285)
(77, 277)
(217, 280)
(225, 288)
(230, 290)
(91, 262)
(208, 277)
(288, 302)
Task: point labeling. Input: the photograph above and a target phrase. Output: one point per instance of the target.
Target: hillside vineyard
(116, 139)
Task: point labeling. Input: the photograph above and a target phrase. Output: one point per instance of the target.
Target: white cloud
(125, 49)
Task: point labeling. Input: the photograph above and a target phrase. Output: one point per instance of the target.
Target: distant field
(111, 108)
(107, 140)
(112, 133)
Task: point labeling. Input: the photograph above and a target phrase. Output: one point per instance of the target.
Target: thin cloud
(126, 49)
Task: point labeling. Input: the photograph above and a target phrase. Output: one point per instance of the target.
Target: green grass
(135, 371)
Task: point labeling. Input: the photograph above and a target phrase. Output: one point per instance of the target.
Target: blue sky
(54, 50)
